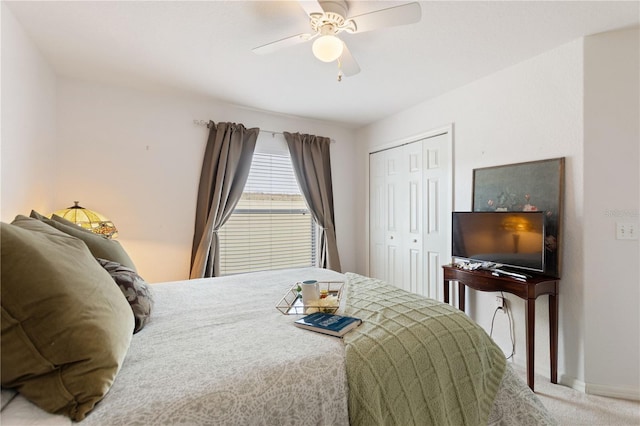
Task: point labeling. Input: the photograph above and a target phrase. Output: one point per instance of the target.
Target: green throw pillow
(100, 246)
(66, 326)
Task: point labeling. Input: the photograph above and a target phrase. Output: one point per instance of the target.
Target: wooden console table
(528, 290)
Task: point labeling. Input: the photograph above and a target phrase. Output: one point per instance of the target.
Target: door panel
(415, 270)
(432, 207)
(431, 286)
(394, 263)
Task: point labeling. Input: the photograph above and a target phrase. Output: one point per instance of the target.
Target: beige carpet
(571, 407)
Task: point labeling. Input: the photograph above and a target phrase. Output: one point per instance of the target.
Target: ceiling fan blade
(311, 6)
(409, 13)
(282, 43)
(348, 63)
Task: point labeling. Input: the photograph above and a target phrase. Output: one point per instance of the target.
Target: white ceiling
(205, 48)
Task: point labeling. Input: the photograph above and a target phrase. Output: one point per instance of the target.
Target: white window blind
(271, 227)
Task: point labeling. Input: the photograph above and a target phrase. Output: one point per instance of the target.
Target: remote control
(512, 274)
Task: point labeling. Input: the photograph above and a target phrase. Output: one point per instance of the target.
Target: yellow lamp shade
(88, 219)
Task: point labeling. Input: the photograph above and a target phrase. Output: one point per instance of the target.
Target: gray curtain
(312, 166)
(227, 160)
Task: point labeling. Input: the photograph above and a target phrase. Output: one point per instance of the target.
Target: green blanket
(415, 360)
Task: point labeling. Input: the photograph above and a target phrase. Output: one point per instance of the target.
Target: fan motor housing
(333, 20)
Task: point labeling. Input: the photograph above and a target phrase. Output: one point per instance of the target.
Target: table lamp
(88, 219)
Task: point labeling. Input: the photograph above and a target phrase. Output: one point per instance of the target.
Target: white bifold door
(409, 214)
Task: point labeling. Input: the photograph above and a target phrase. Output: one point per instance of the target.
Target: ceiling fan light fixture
(327, 48)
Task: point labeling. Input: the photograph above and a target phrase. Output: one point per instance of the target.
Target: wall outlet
(501, 303)
(626, 231)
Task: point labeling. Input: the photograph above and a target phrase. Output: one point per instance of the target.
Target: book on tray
(335, 325)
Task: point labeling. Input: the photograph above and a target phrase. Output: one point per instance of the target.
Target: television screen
(512, 239)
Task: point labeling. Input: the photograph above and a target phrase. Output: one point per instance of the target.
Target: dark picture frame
(530, 186)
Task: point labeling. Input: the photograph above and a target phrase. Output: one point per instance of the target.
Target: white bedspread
(228, 357)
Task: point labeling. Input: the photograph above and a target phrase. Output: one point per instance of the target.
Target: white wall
(136, 157)
(531, 111)
(27, 140)
(132, 156)
(612, 184)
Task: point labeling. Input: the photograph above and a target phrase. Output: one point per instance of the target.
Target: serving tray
(291, 302)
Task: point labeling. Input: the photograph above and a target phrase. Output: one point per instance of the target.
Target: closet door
(377, 215)
(396, 225)
(437, 175)
(413, 241)
(395, 220)
(410, 203)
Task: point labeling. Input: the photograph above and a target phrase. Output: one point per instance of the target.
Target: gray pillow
(99, 245)
(135, 290)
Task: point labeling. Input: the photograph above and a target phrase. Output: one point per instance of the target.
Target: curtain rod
(205, 123)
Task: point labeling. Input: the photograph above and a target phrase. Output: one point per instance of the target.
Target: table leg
(461, 296)
(553, 336)
(530, 314)
(446, 291)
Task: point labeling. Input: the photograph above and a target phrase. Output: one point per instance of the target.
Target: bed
(217, 352)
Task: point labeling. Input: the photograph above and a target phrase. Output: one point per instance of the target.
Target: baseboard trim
(573, 383)
(620, 392)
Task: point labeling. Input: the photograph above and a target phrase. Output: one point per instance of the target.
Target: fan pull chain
(339, 70)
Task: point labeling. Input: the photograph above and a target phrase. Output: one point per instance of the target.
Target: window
(271, 227)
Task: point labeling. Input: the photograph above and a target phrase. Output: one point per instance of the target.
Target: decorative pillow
(100, 246)
(135, 290)
(65, 327)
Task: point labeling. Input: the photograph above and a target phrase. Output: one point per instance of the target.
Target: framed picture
(531, 186)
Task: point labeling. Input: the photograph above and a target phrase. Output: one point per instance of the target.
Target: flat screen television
(512, 239)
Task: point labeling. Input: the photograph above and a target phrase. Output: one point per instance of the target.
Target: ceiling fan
(328, 18)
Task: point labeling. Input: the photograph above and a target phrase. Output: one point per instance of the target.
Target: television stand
(528, 289)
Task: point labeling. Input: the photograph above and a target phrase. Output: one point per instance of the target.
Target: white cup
(310, 291)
